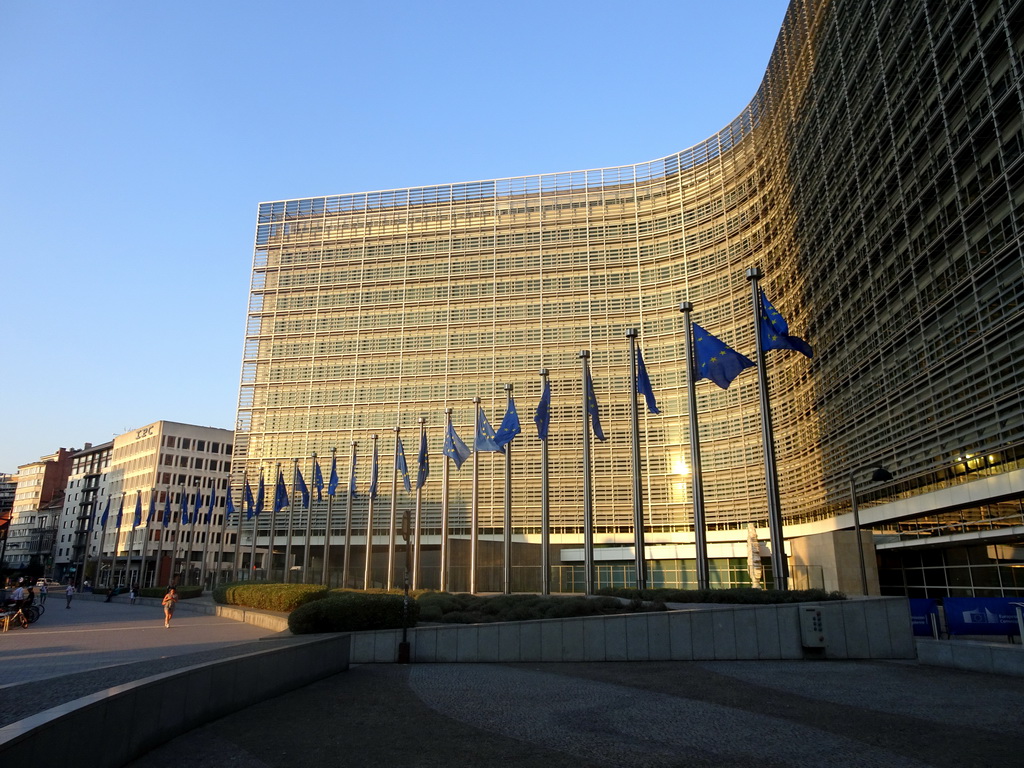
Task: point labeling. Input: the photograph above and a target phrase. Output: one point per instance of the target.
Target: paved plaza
(726, 713)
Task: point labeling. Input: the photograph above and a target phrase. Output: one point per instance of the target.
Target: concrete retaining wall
(113, 727)
(874, 628)
(974, 656)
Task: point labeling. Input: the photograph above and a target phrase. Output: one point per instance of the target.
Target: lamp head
(881, 475)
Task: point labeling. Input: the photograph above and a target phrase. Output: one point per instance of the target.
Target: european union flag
(167, 509)
(300, 483)
(280, 493)
(260, 494)
(509, 425)
(485, 435)
(152, 507)
(229, 504)
(373, 473)
(775, 331)
(454, 448)
(643, 383)
(400, 465)
(106, 514)
(213, 503)
(184, 506)
(250, 505)
(318, 479)
(137, 520)
(716, 360)
(332, 481)
(352, 477)
(595, 420)
(120, 512)
(199, 505)
(543, 416)
(422, 462)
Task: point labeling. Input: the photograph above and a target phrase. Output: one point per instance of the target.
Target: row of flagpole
(707, 357)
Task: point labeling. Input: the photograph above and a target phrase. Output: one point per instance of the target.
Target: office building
(876, 178)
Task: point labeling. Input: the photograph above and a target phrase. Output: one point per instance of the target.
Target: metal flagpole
(237, 566)
(507, 522)
(159, 554)
(308, 549)
(393, 529)
(588, 510)
(780, 567)
(443, 586)
(223, 541)
(325, 573)
(474, 508)
(418, 522)
(699, 524)
(131, 544)
(349, 503)
(290, 523)
(177, 541)
(81, 565)
(205, 568)
(640, 562)
(273, 527)
(145, 540)
(117, 539)
(545, 509)
(369, 518)
(100, 548)
(255, 530)
(192, 543)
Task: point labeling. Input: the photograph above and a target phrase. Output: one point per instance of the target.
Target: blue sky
(139, 137)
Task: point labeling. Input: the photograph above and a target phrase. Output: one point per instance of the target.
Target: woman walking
(168, 602)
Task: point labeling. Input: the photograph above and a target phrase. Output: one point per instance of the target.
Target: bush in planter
(352, 612)
(736, 596)
(184, 593)
(269, 597)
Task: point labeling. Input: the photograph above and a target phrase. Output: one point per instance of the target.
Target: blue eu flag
(230, 504)
(137, 520)
(120, 512)
(106, 514)
(454, 448)
(643, 383)
(509, 425)
(716, 360)
(332, 481)
(260, 494)
(400, 463)
(300, 483)
(373, 473)
(318, 480)
(250, 505)
(422, 461)
(184, 506)
(543, 415)
(213, 503)
(167, 510)
(485, 435)
(280, 493)
(595, 420)
(352, 478)
(151, 515)
(775, 331)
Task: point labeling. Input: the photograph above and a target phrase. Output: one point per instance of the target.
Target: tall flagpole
(145, 541)
(325, 573)
(507, 523)
(131, 544)
(237, 570)
(588, 508)
(273, 527)
(290, 521)
(222, 543)
(545, 509)
(780, 567)
(255, 529)
(640, 562)
(88, 537)
(177, 540)
(474, 516)
(699, 524)
(205, 569)
(308, 548)
(418, 522)
(443, 586)
(372, 493)
(348, 515)
(99, 549)
(393, 529)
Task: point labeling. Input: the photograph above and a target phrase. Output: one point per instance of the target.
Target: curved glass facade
(876, 178)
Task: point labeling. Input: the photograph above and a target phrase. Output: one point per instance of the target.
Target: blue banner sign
(921, 613)
(982, 615)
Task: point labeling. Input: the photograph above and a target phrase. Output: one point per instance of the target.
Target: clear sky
(138, 137)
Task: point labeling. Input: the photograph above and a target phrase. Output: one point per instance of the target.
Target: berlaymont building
(875, 182)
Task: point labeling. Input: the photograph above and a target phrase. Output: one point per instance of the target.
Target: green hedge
(742, 595)
(269, 597)
(461, 608)
(352, 612)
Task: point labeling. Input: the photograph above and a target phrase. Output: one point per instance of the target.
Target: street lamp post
(880, 475)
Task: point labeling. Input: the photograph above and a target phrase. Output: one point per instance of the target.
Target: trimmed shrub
(470, 609)
(184, 593)
(269, 597)
(352, 612)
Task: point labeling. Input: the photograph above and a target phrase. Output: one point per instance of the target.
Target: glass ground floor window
(956, 571)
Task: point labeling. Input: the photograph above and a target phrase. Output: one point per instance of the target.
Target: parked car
(50, 584)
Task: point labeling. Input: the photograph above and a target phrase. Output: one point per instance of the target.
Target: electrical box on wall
(812, 628)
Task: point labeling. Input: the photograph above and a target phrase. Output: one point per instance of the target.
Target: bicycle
(34, 611)
(15, 615)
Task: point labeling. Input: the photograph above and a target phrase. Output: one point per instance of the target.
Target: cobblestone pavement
(94, 645)
(737, 713)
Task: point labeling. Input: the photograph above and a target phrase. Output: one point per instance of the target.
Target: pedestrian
(132, 594)
(168, 602)
(86, 586)
(69, 592)
(42, 593)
